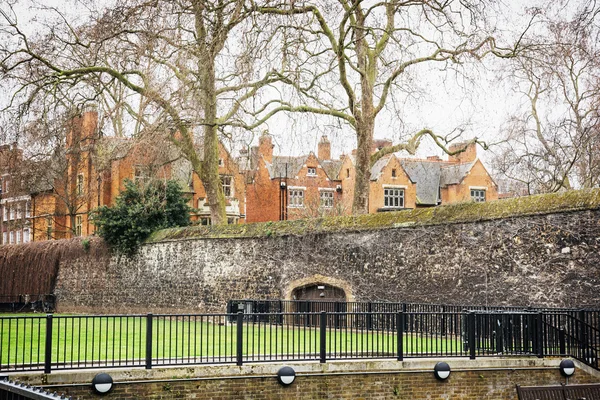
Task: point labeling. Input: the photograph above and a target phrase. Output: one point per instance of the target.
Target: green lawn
(192, 339)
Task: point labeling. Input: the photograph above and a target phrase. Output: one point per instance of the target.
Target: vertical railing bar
(149, 321)
(323, 338)
(239, 332)
(48, 355)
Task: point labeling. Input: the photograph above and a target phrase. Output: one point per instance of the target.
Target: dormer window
(312, 171)
(221, 163)
(394, 173)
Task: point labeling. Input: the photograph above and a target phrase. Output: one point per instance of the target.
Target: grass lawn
(194, 339)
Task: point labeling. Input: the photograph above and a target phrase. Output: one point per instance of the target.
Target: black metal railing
(13, 390)
(50, 342)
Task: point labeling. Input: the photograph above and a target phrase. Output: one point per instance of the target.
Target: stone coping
(306, 368)
(574, 200)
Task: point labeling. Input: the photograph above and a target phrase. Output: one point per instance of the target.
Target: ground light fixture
(286, 376)
(441, 371)
(567, 368)
(102, 383)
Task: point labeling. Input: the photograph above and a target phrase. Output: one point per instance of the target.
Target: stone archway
(334, 289)
(315, 294)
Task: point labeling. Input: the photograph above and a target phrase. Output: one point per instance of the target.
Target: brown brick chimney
(324, 152)
(379, 144)
(469, 155)
(265, 146)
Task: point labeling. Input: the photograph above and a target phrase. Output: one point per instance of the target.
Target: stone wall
(537, 260)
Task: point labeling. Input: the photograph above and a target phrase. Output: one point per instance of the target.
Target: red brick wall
(475, 385)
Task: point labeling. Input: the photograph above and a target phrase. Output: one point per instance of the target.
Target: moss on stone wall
(456, 213)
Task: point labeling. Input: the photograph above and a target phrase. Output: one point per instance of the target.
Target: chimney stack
(324, 152)
(379, 144)
(469, 155)
(265, 146)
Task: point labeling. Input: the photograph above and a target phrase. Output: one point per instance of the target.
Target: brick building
(103, 168)
(27, 202)
(52, 199)
(401, 183)
(284, 187)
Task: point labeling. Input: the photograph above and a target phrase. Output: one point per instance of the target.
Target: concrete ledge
(306, 368)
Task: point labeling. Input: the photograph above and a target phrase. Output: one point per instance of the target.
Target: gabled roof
(331, 168)
(377, 168)
(454, 174)
(426, 175)
(285, 166)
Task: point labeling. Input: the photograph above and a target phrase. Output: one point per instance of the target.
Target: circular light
(286, 376)
(567, 367)
(102, 383)
(441, 371)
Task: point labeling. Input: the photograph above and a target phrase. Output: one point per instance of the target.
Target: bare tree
(347, 59)
(185, 63)
(553, 141)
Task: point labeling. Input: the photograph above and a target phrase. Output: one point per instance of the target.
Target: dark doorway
(319, 292)
(315, 298)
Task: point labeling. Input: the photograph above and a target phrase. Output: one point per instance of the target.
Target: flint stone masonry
(518, 261)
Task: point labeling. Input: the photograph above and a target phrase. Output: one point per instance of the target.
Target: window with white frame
(78, 225)
(393, 198)
(4, 237)
(12, 212)
(28, 209)
(312, 171)
(326, 198)
(478, 195)
(19, 213)
(205, 221)
(296, 198)
(12, 237)
(227, 182)
(18, 237)
(26, 238)
(80, 184)
(4, 213)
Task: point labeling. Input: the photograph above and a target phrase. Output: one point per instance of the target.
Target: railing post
(239, 338)
(400, 335)
(48, 352)
(370, 316)
(149, 320)
(499, 335)
(562, 341)
(539, 333)
(323, 338)
(443, 327)
(582, 331)
(404, 309)
(471, 334)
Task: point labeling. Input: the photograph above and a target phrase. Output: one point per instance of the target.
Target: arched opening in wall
(319, 292)
(317, 297)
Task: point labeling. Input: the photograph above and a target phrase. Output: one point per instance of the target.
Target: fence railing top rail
(27, 391)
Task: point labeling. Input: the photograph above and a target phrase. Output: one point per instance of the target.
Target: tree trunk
(364, 133)
(210, 165)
